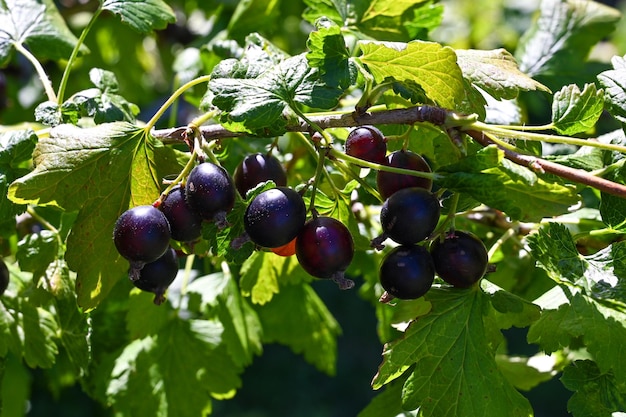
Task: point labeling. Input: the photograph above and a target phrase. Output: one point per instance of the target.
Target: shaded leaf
(575, 111)
(144, 16)
(328, 52)
(614, 84)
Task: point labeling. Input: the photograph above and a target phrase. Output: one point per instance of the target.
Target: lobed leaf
(614, 84)
(144, 16)
(100, 172)
(38, 24)
(575, 111)
(432, 66)
(559, 41)
(496, 72)
(456, 372)
(519, 192)
(328, 52)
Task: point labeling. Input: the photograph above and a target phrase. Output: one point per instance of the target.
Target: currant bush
(210, 192)
(389, 182)
(185, 223)
(407, 272)
(367, 143)
(461, 259)
(156, 276)
(274, 217)
(409, 216)
(325, 248)
(257, 168)
(141, 235)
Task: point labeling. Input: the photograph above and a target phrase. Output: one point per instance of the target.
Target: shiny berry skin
(407, 272)
(324, 247)
(4, 277)
(367, 143)
(461, 258)
(185, 223)
(274, 217)
(141, 235)
(210, 190)
(256, 169)
(156, 276)
(410, 215)
(389, 182)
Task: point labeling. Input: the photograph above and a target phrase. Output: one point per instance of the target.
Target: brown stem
(535, 163)
(430, 114)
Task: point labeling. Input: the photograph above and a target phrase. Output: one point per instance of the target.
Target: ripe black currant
(185, 223)
(389, 182)
(258, 168)
(461, 258)
(274, 217)
(407, 272)
(156, 276)
(4, 277)
(324, 248)
(367, 143)
(141, 235)
(210, 192)
(409, 216)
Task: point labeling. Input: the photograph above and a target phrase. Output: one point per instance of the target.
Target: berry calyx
(274, 217)
(325, 248)
(156, 276)
(461, 258)
(210, 192)
(256, 169)
(409, 216)
(407, 272)
(389, 182)
(367, 143)
(141, 235)
(185, 223)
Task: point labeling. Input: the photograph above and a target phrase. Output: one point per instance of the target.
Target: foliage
(82, 141)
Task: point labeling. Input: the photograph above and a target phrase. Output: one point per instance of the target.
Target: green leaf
(101, 172)
(393, 21)
(16, 148)
(596, 394)
(456, 373)
(257, 101)
(253, 16)
(264, 272)
(339, 11)
(36, 251)
(496, 72)
(601, 275)
(387, 403)
(432, 66)
(509, 309)
(503, 185)
(614, 84)
(175, 372)
(103, 103)
(559, 41)
(308, 327)
(328, 52)
(37, 24)
(144, 16)
(600, 327)
(520, 372)
(574, 111)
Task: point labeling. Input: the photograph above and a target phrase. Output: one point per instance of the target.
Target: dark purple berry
(156, 276)
(4, 277)
(324, 248)
(461, 258)
(185, 223)
(274, 217)
(410, 215)
(389, 182)
(141, 235)
(367, 143)
(210, 191)
(407, 272)
(256, 169)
